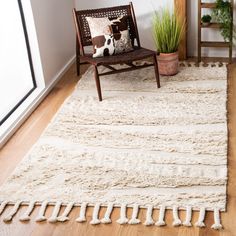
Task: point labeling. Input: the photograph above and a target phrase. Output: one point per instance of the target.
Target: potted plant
(206, 20)
(168, 29)
(222, 14)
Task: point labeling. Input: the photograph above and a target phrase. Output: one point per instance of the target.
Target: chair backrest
(82, 27)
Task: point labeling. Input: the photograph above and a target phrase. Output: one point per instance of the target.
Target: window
(17, 80)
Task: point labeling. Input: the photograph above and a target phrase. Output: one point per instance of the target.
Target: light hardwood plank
(181, 6)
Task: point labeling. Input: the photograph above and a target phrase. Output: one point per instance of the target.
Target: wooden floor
(12, 153)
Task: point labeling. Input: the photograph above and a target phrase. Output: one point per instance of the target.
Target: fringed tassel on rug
(217, 225)
(82, 217)
(149, 220)
(212, 64)
(134, 218)
(183, 63)
(26, 215)
(14, 210)
(95, 220)
(161, 221)
(56, 210)
(200, 222)
(225, 64)
(191, 64)
(201, 63)
(107, 219)
(64, 217)
(177, 221)
(42, 210)
(188, 218)
(3, 206)
(123, 219)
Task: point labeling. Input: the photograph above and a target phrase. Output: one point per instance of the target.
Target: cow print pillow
(109, 37)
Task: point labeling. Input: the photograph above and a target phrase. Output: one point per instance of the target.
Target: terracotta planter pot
(168, 63)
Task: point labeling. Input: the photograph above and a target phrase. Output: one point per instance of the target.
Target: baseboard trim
(60, 74)
(39, 95)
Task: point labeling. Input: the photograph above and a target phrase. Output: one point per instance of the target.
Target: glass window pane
(15, 73)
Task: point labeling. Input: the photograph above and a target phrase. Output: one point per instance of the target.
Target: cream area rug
(141, 147)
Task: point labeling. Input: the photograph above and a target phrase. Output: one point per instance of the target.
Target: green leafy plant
(222, 14)
(168, 29)
(206, 19)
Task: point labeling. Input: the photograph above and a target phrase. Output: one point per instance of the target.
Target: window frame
(30, 64)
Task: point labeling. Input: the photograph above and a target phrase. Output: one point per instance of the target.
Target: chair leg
(78, 65)
(96, 76)
(77, 57)
(156, 71)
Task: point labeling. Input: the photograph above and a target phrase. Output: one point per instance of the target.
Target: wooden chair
(83, 39)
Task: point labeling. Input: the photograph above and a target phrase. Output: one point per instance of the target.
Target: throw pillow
(109, 36)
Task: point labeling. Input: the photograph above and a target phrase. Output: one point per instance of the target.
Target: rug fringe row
(55, 217)
(202, 64)
(191, 64)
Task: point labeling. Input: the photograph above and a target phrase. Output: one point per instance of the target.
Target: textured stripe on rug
(141, 147)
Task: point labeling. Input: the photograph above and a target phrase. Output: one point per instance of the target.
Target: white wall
(143, 10)
(56, 35)
(207, 34)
